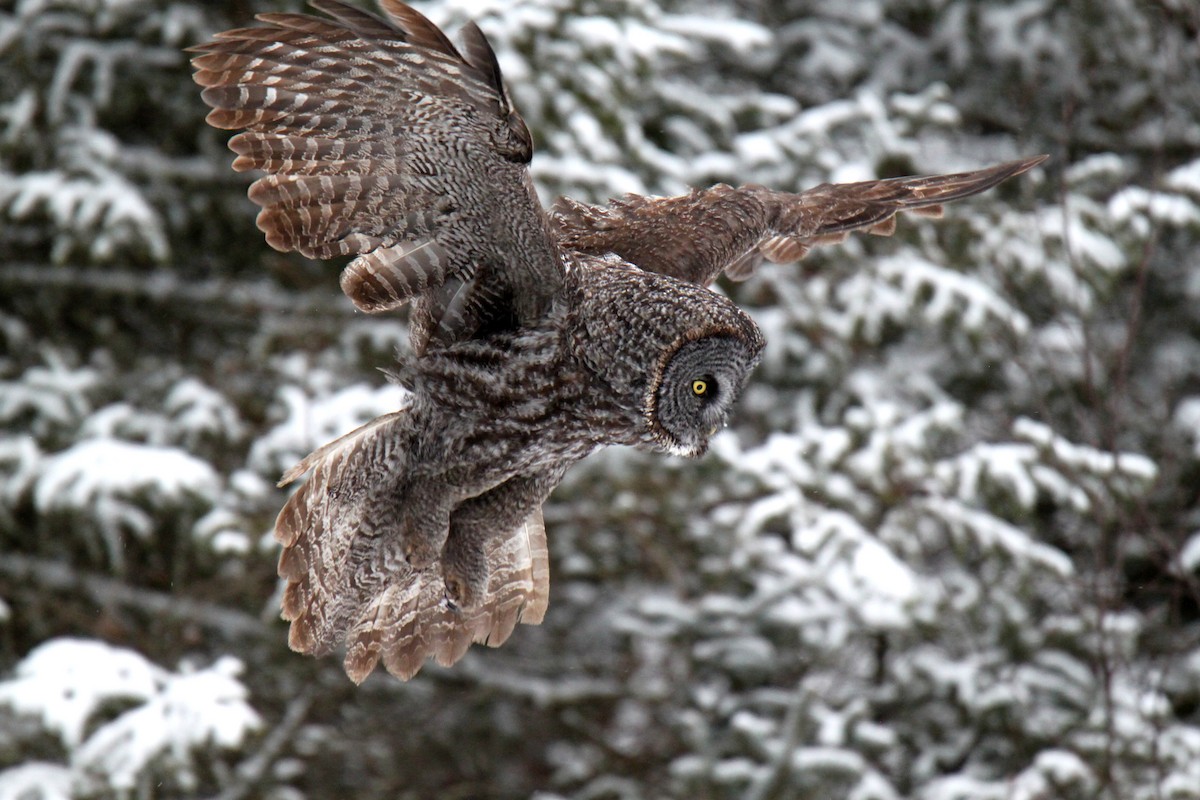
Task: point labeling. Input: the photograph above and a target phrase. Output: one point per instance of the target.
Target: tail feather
(410, 621)
(344, 583)
(320, 525)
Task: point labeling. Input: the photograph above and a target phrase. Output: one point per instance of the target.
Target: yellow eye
(699, 387)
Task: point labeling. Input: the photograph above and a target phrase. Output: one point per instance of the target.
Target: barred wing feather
(382, 141)
(345, 582)
(697, 236)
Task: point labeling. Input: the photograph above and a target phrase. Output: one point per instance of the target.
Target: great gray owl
(536, 338)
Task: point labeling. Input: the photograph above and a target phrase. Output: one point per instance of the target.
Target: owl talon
(461, 595)
(420, 555)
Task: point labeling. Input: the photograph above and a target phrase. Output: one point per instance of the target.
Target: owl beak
(713, 431)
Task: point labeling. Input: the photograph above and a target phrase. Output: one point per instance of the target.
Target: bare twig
(542, 692)
(107, 591)
(251, 772)
(161, 285)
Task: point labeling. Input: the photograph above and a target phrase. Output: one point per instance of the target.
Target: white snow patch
(1102, 165)
(1096, 461)
(36, 780)
(20, 462)
(1185, 179)
(102, 209)
(1187, 417)
(311, 422)
(187, 711)
(740, 35)
(93, 471)
(876, 585)
(199, 410)
(65, 682)
(222, 529)
(1134, 202)
(52, 394)
(1189, 554)
(995, 534)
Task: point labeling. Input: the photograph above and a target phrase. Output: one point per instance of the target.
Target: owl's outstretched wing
(382, 141)
(345, 584)
(697, 236)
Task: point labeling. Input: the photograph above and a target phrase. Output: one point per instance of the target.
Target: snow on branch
(310, 422)
(123, 488)
(70, 685)
(901, 287)
(99, 212)
(52, 397)
(974, 528)
(1123, 475)
(55, 576)
(36, 780)
(98, 472)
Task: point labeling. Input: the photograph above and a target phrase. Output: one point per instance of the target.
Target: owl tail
(409, 621)
(344, 583)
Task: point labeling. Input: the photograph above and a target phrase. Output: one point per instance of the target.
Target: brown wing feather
(321, 529)
(343, 583)
(360, 122)
(408, 621)
(696, 236)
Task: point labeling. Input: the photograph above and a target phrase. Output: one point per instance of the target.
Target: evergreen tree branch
(57, 576)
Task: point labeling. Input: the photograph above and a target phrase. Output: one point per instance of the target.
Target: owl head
(696, 386)
(673, 355)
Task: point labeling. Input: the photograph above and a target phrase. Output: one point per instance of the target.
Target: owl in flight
(536, 337)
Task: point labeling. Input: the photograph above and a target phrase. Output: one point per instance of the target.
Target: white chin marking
(676, 449)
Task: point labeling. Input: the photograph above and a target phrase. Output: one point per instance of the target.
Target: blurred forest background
(949, 550)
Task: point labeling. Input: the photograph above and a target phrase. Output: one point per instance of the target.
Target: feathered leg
(476, 522)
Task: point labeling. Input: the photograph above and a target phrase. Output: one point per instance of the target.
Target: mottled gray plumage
(536, 338)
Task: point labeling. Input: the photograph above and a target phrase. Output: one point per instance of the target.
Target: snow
(1132, 465)
(65, 681)
(973, 525)
(198, 410)
(21, 460)
(1134, 203)
(944, 295)
(1006, 464)
(738, 655)
(55, 394)
(828, 760)
(932, 104)
(70, 684)
(735, 771)
(1096, 167)
(36, 780)
(310, 422)
(628, 41)
(880, 584)
(186, 711)
(222, 529)
(1187, 417)
(17, 114)
(1093, 246)
(100, 474)
(735, 34)
(1185, 179)
(1189, 554)
(964, 787)
(103, 209)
